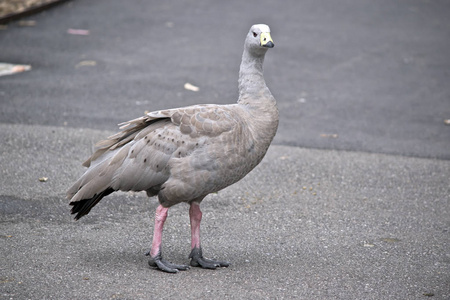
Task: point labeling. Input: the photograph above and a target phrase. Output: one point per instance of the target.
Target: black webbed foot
(164, 265)
(197, 260)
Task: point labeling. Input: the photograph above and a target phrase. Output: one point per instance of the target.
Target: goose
(184, 154)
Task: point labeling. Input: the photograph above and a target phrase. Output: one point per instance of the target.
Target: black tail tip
(83, 207)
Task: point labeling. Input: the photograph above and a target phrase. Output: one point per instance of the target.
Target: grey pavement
(351, 202)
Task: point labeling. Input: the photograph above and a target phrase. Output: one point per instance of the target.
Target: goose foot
(163, 265)
(197, 260)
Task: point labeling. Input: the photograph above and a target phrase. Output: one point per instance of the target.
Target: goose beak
(266, 40)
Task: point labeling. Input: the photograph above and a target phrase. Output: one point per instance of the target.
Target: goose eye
(255, 34)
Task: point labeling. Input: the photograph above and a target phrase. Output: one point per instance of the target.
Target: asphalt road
(351, 202)
(374, 73)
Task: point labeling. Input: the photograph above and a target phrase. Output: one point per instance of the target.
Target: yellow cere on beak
(266, 40)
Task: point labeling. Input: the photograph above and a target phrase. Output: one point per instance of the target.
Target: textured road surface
(352, 201)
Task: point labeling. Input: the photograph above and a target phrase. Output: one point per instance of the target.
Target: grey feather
(183, 154)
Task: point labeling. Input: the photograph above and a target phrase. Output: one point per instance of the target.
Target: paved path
(373, 73)
(370, 77)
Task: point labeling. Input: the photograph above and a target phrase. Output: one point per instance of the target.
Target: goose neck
(251, 80)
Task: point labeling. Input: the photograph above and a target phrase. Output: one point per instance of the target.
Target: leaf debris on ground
(9, 69)
(17, 6)
(191, 87)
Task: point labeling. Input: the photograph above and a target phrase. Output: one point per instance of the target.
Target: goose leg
(196, 256)
(156, 259)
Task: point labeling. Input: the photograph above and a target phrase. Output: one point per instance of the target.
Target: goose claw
(197, 260)
(163, 265)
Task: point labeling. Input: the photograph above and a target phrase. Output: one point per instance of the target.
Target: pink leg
(156, 259)
(160, 218)
(196, 256)
(195, 216)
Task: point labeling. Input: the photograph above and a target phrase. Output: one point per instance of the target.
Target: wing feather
(163, 146)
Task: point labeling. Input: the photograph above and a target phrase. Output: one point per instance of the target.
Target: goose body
(184, 154)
